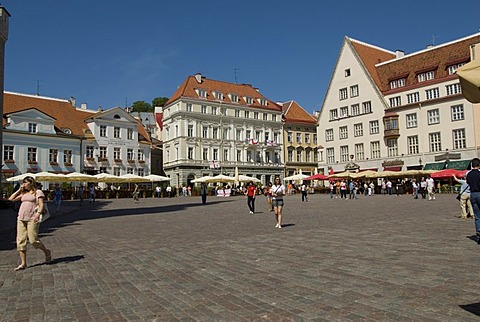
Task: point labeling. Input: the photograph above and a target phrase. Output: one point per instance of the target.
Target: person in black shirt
(473, 180)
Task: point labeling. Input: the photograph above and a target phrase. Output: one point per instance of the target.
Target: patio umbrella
(448, 173)
(133, 178)
(20, 177)
(469, 75)
(365, 174)
(221, 178)
(243, 178)
(318, 176)
(48, 176)
(344, 175)
(299, 176)
(79, 177)
(201, 179)
(157, 178)
(106, 177)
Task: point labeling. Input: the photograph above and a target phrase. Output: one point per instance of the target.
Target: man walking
(473, 181)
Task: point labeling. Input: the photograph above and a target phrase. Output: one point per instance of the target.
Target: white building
(385, 110)
(212, 127)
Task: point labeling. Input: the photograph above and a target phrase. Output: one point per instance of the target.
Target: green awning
(434, 166)
(459, 164)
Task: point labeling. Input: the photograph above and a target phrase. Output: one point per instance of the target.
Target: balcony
(131, 161)
(117, 160)
(90, 159)
(32, 162)
(53, 163)
(102, 159)
(141, 161)
(68, 164)
(391, 134)
(9, 161)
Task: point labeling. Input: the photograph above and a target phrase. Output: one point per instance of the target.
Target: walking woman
(28, 220)
(251, 192)
(278, 191)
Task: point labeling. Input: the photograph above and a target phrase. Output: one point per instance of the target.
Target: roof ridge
(370, 45)
(38, 96)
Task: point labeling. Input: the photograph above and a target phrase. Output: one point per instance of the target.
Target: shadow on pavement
(473, 308)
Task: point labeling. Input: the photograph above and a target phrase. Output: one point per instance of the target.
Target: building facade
(4, 16)
(300, 140)
(212, 127)
(385, 110)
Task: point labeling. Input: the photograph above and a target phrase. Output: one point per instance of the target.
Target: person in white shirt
(415, 188)
(303, 188)
(423, 187)
(278, 191)
(430, 188)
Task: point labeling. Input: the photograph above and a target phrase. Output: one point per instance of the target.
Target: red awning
(392, 168)
(8, 170)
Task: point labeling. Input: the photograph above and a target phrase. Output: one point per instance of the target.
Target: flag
(159, 118)
(251, 141)
(271, 143)
(215, 164)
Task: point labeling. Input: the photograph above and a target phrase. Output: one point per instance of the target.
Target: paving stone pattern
(379, 258)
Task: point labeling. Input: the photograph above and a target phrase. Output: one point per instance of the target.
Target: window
(225, 155)
(344, 111)
(130, 134)
(274, 118)
(258, 134)
(238, 134)
(32, 154)
(315, 138)
(459, 140)
(453, 89)
(391, 123)
(249, 100)
(218, 95)
(247, 114)
(330, 155)
(237, 113)
(433, 117)
(432, 93)
(412, 144)
(225, 134)
(289, 137)
(263, 101)
(355, 109)
(374, 127)
(205, 154)
(397, 83)
(290, 155)
(116, 171)
(343, 132)
(8, 152)
(422, 77)
(375, 150)
(316, 154)
(189, 107)
(249, 134)
(223, 111)
(395, 101)
(354, 91)
(255, 115)
(411, 120)
(358, 129)
(140, 172)
(102, 152)
(344, 153)
(234, 98)
(141, 155)
(367, 107)
(203, 109)
(343, 94)
(53, 156)
(239, 155)
(392, 147)
(89, 151)
(129, 170)
(116, 132)
(215, 154)
(202, 93)
(457, 112)
(307, 138)
(299, 137)
(347, 72)
(329, 135)
(129, 154)
(333, 114)
(413, 98)
(299, 155)
(359, 153)
(453, 68)
(67, 156)
(215, 133)
(276, 135)
(435, 142)
(205, 132)
(190, 130)
(214, 110)
(116, 153)
(32, 128)
(190, 153)
(103, 130)
(267, 136)
(265, 116)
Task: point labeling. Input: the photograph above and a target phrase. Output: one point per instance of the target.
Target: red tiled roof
(294, 113)
(188, 87)
(437, 58)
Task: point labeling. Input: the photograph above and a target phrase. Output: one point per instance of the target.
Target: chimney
(83, 106)
(399, 53)
(72, 101)
(430, 46)
(99, 109)
(198, 77)
(475, 51)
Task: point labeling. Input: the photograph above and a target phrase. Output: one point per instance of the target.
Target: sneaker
(276, 226)
(251, 212)
(279, 226)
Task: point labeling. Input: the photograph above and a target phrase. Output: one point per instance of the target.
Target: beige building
(300, 140)
(212, 127)
(385, 110)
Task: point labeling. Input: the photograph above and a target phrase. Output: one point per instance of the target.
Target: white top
(278, 191)
(430, 182)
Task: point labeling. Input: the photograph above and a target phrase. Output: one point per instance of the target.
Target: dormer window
(249, 100)
(453, 68)
(396, 83)
(202, 93)
(234, 98)
(32, 127)
(426, 76)
(117, 117)
(67, 130)
(262, 101)
(218, 95)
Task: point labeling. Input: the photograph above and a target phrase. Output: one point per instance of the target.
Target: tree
(159, 101)
(141, 106)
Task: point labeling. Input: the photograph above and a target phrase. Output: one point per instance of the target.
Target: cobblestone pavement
(373, 259)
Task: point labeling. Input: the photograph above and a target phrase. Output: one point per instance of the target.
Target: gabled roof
(66, 115)
(294, 113)
(437, 58)
(370, 56)
(188, 90)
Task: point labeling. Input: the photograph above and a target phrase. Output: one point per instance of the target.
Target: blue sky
(113, 52)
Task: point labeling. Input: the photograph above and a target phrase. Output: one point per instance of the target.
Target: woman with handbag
(28, 222)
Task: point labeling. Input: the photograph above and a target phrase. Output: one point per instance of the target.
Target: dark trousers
(251, 203)
(204, 198)
(304, 196)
